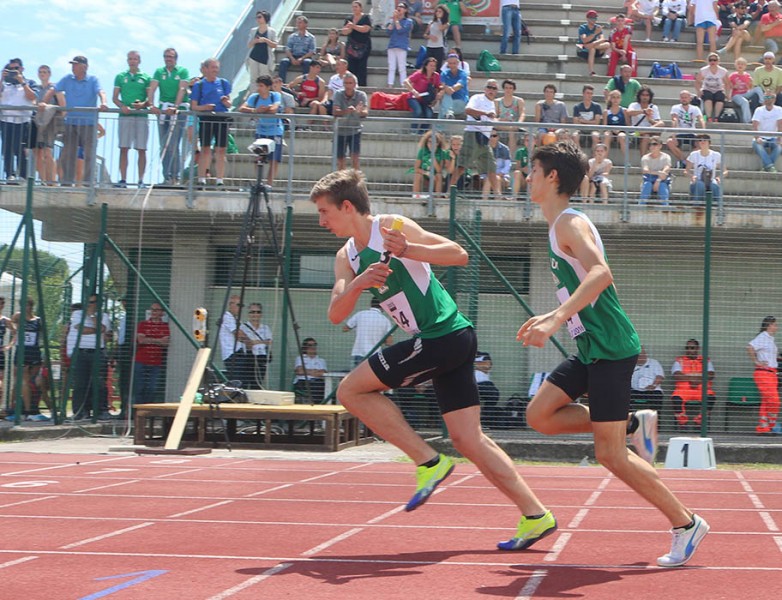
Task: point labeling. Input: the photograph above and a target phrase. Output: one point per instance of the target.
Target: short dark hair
(176, 54)
(16, 60)
(265, 14)
(588, 86)
(509, 82)
(570, 163)
(550, 86)
(767, 321)
(340, 186)
(265, 80)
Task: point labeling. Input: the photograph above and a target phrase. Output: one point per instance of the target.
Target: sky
(52, 32)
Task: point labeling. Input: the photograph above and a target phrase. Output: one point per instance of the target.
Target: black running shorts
(448, 361)
(607, 383)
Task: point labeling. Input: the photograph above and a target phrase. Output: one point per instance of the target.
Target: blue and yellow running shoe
(428, 478)
(530, 531)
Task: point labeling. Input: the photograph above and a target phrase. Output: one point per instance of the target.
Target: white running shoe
(644, 439)
(685, 543)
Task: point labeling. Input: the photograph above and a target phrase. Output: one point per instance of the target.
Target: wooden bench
(327, 428)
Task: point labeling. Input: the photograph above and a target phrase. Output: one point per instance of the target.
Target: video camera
(262, 147)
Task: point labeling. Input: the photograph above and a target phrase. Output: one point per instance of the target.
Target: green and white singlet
(602, 330)
(412, 295)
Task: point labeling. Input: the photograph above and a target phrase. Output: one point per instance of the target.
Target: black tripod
(245, 247)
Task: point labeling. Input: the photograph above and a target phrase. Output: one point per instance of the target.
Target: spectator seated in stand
(596, 180)
(738, 22)
(331, 51)
(429, 144)
(424, 86)
(687, 372)
(455, 95)
(510, 109)
(767, 122)
(740, 88)
(300, 49)
(646, 391)
(502, 157)
(644, 113)
(656, 166)
(311, 91)
(614, 116)
(622, 51)
(675, 18)
(711, 83)
(316, 368)
(487, 391)
(592, 43)
(705, 165)
(646, 12)
(520, 170)
(549, 111)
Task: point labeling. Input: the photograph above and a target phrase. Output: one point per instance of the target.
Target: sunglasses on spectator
(255, 312)
(491, 87)
(494, 135)
(714, 60)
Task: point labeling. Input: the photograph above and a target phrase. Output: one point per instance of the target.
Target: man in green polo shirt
(625, 83)
(130, 96)
(171, 80)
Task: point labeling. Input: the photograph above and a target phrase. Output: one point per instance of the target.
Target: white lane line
(778, 540)
(108, 485)
(185, 472)
(251, 582)
(387, 514)
(195, 510)
(576, 520)
(106, 536)
(292, 483)
(277, 559)
(764, 514)
(558, 547)
(65, 466)
(332, 541)
(28, 501)
(534, 581)
(18, 561)
(768, 520)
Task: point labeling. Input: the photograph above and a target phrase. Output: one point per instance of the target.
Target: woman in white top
(258, 345)
(763, 352)
(704, 165)
(644, 113)
(711, 85)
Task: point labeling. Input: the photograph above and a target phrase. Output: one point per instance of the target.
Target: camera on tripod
(263, 148)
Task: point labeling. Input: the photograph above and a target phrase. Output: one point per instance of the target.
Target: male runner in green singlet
(607, 345)
(392, 261)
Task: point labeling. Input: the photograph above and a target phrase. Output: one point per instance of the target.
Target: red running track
(147, 527)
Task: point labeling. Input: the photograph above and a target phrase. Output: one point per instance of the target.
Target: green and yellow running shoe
(428, 478)
(530, 531)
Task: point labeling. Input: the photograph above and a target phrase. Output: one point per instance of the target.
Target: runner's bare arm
(348, 286)
(416, 243)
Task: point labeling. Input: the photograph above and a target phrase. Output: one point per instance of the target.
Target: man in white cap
(766, 79)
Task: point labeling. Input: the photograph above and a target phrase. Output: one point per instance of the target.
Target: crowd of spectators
(440, 87)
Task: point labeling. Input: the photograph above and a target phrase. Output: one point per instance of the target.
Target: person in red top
(622, 51)
(771, 27)
(311, 91)
(687, 372)
(152, 339)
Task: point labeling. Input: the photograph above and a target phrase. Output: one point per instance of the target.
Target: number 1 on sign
(685, 455)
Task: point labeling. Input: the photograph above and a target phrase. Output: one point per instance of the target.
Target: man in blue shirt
(299, 50)
(79, 90)
(454, 91)
(591, 41)
(211, 98)
(267, 102)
